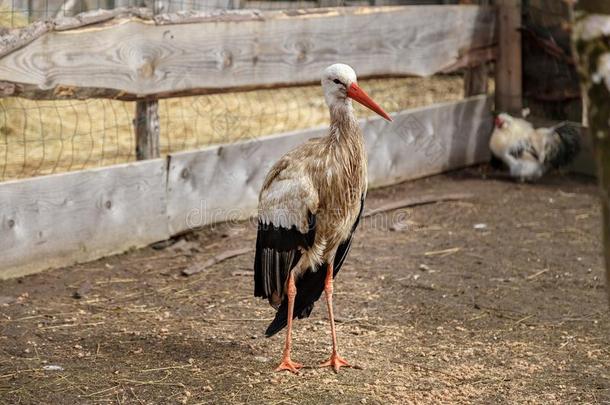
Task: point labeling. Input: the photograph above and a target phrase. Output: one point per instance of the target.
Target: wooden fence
(131, 55)
(35, 10)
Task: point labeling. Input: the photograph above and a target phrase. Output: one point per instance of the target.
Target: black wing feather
(311, 285)
(277, 252)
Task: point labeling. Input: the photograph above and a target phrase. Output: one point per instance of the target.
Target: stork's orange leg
(286, 363)
(335, 360)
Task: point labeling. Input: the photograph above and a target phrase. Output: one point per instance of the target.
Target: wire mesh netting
(43, 137)
(550, 81)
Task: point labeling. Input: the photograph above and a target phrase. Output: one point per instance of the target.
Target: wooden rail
(130, 55)
(61, 219)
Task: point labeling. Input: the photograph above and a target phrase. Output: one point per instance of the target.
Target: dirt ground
(494, 299)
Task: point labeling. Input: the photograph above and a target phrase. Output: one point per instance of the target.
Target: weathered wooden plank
(135, 58)
(20, 37)
(172, 6)
(509, 87)
(195, 16)
(472, 58)
(222, 183)
(409, 2)
(99, 16)
(428, 140)
(284, 5)
(62, 219)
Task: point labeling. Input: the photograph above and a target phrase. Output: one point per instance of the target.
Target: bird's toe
(336, 362)
(289, 365)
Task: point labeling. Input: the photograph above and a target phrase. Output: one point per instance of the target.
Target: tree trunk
(592, 47)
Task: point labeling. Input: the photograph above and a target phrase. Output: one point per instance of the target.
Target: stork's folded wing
(286, 226)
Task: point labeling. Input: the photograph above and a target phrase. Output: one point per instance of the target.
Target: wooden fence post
(593, 53)
(475, 77)
(508, 66)
(146, 123)
(475, 81)
(147, 129)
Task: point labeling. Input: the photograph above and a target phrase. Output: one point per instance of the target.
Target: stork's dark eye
(337, 81)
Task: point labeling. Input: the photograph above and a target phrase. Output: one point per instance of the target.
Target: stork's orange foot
(335, 362)
(289, 365)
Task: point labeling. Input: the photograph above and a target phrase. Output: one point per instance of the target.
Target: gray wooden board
(221, 183)
(137, 58)
(428, 140)
(62, 219)
(280, 5)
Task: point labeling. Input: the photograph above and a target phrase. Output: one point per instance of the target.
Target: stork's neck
(343, 122)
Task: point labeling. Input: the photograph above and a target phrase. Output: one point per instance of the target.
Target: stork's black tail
(563, 146)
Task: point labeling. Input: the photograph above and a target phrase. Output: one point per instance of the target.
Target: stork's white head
(336, 79)
(340, 85)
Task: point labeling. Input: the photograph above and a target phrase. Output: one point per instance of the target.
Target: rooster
(528, 152)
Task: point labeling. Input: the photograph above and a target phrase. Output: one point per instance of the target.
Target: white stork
(309, 207)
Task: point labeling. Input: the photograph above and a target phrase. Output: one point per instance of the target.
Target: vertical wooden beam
(146, 123)
(475, 77)
(147, 129)
(592, 49)
(508, 66)
(475, 81)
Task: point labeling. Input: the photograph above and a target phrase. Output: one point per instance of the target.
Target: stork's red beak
(356, 93)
